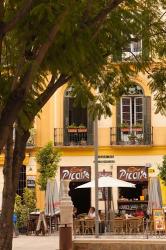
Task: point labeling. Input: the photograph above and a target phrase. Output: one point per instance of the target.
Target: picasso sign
(132, 173)
(75, 173)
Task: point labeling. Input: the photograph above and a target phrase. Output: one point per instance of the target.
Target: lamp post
(96, 176)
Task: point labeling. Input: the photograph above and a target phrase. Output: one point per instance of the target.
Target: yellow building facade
(131, 145)
(116, 148)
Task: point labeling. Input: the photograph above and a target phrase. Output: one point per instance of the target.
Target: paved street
(36, 242)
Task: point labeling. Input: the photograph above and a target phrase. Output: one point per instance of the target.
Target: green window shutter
(90, 129)
(147, 120)
(118, 122)
(65, 120)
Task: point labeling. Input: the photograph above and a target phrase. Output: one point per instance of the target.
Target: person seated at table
(91, 213)
(126, 215)
(74, 212)
(139, 212)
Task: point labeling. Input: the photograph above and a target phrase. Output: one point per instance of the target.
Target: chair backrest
(134, 222)
(76, 223)
(119, 222)
(89, 223)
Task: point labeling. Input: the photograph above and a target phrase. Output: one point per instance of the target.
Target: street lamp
(96, 176)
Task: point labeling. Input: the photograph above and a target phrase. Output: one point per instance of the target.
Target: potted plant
(137, 127)
(83, 142)
(132, 138)
(23, 207)
(124, 127)
(140, 140)
(82, 128)
(72, 128)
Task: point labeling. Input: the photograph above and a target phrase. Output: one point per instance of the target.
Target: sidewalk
(24, 242)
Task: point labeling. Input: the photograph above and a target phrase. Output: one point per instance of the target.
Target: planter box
(83, 142)
(82, 130)
(72, 130)
(137, 129)
(125, 129)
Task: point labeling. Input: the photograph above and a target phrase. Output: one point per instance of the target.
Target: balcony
(131, 136)
(72, 137)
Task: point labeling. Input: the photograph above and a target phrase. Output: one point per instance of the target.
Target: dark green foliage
(86, 48)
(24, 206)
(48, 159)
(162, 170)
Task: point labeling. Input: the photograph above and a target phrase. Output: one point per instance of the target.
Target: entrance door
(80, 197)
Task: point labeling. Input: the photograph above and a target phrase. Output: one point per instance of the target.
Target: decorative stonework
(66, 205)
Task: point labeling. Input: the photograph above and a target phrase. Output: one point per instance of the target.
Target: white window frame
(121, 109)
(135, 119)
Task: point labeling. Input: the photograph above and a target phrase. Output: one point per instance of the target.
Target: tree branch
(19, 15)
(100, 18)
(98, 21)
(52, 87)
(56, 27)
(17, 97)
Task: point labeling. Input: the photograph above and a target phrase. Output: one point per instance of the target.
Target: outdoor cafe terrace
(132, 227)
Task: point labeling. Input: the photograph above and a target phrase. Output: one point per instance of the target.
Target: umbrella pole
(50, 225)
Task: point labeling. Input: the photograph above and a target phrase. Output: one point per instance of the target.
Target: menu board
(159, 219)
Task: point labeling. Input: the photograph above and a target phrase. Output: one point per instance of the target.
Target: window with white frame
(133, 49)
(132, 110)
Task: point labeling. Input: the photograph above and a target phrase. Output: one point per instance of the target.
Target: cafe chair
(31, 226)
(77, 226)
(134, 225)
(118, 225)
(89, 226)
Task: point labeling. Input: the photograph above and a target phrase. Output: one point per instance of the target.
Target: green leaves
(162, 170)
(24, 206)
(88, 50)
(48, 159)
(158, 86)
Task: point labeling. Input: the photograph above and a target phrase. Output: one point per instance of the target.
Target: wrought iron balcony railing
(72, 137)
(131, 136)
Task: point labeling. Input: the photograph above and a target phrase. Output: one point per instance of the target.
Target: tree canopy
(82, 43)
(44, 44)
(48, 159)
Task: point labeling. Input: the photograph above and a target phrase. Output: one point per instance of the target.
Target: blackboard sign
(31, 181)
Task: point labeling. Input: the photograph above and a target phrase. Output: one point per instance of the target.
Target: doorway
(81, 198)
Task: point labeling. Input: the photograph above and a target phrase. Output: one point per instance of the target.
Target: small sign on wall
(30, 181)
(159, 219)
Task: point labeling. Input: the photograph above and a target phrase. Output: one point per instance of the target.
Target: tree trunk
(8, 203)
(13, 161)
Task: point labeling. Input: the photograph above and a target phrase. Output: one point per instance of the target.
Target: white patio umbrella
(51, 199)
(107, 181)
(154, 193)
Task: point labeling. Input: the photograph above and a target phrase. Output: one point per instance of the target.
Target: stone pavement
(24, 242)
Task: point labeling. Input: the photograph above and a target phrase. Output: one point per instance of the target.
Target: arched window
(132, 106)
(133, 117)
